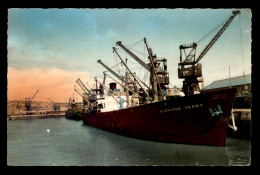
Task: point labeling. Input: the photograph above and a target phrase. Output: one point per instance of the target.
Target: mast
(126, 84)
(96, 88)
(104, 81)
(154, 77)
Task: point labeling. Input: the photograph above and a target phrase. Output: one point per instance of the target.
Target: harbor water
(62, 142)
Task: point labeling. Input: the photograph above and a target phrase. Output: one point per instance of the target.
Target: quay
(243, 123)
(37, 116)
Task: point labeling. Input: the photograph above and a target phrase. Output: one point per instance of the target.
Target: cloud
(52, 83)
(39, 35)
(48, 44)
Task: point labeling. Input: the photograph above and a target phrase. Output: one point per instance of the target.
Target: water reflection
(121, 150)
(70, 143)
(238, 152)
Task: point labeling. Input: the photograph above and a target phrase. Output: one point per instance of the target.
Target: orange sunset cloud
(53, 83)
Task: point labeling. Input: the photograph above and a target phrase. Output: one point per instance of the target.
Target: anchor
(216, 111)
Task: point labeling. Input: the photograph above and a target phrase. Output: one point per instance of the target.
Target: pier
(38, 116)
(243, 123)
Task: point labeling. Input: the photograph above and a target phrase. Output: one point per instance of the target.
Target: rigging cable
(116, 60)
(115, 65)
(128, 46)
(135, 51)
(241, 48)
(213, 30)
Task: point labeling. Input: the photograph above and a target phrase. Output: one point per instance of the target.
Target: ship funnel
(112, 86)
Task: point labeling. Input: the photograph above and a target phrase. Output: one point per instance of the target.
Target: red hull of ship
(185, 120)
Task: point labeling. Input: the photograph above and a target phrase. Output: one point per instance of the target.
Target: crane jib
(87, 89)
(217, 35)
(147, 67)
(110, 70)
(34, 95)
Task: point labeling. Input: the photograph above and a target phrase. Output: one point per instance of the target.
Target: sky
(49, 49)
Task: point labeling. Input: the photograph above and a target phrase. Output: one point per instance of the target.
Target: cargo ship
(73, 113)
(151, 114)
(198, 119)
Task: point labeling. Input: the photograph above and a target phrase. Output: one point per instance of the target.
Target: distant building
(241, 83)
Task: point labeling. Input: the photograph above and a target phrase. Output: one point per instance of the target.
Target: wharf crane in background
(28, 102)
(191, 73)
(56, 107)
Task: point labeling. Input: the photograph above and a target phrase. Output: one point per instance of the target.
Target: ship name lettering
(193, 106)
(170, 109)
(179, 108)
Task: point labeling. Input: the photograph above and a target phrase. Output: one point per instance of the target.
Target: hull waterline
(198, 119)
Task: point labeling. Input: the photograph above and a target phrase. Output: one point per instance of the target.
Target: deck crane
(82, 95)
(146, 66)
(86, 95)
(28, 102)
(86, 102)
(134, 77)
(85, 92)
(190, 74)
(110, 70)
(156, 81)
(159, 76)
(85, 89)
(56, 107)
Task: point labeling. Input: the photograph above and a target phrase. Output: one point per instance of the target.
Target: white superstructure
(109, 103)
